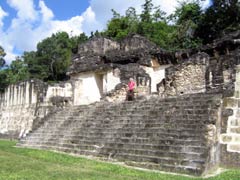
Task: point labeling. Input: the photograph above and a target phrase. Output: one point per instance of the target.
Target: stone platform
(172, 134)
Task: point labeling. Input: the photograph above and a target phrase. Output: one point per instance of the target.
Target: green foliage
(54, 53)
(186, 17)
(151, 23)
(120, 26)
(52, 58)
(2, 54)
(146, 16)
(221, 17)
(36, 69)
(3, 80)
(14, 73)
(49, 62)
(76, 40)
(17, 71)
(189, 26)
(188, 11)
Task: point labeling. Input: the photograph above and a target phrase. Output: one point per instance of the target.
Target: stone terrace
(169, 134)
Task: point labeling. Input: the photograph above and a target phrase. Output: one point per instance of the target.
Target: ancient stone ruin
(185, 118)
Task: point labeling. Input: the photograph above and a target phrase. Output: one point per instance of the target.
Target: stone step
(160, 133)
(159, 107)
(161, 150)
(169, 168)
(127, 126)
(105, 125)
(184, 119)
(155, 110)
(147, 133)
(134, 155)
(136, 140)
(96, 140)
(127, 141)
(158, 163)
(181, 160)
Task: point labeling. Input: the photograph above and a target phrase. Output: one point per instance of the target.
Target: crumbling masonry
(186, 117)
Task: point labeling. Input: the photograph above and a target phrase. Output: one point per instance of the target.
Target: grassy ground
(28, 164)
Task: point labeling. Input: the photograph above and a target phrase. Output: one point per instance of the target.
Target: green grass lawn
(28, 164)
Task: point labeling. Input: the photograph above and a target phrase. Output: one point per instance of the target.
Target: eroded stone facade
(186, 102)
(21, 104)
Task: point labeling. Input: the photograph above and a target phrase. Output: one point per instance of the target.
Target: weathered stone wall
(188, 77)
(17, 108)
(98, 46)
(230, 132)
(25, 102)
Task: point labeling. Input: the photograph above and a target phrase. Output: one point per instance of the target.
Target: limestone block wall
(188, 77)
(21, 104)
(230, 136)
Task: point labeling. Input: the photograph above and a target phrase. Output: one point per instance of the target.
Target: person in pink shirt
(131, 87)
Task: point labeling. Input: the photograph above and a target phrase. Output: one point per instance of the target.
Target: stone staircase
(163, 134)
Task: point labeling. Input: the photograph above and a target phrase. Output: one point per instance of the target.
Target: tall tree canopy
(151, 23)
(187, 17)
(52, 58)
(222, 16)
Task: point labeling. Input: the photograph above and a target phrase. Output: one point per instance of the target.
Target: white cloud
(33, 24)
(25, 9)
(89, 22)
(47, 13)
(103, 10)
(2, 15)
(72, 26)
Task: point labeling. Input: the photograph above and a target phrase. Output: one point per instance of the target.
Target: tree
(222, 16)
(17, 71)
(187, 18)
(2, 54)
(52, 58)
(36, 69)
(120, 26)
(147, 10)
(3, 74)
(3, 79)
(159, 15)
(151, 23)
(55, 53)
(76, 40)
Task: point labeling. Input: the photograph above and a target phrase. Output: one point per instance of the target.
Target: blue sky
(24, 23)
